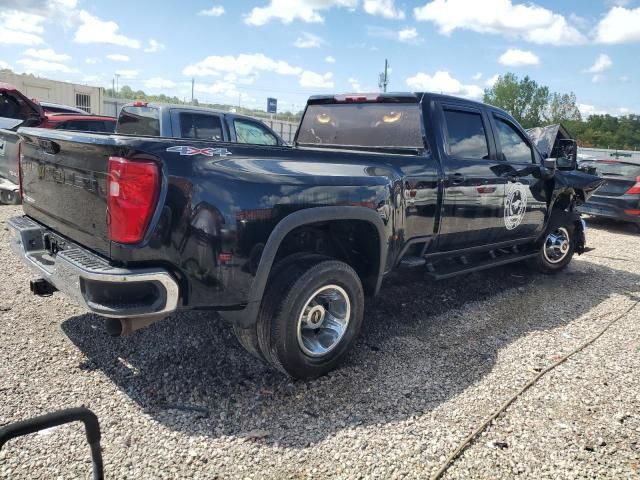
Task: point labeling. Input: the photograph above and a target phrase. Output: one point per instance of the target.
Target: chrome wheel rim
(557, 245)
(324, 320)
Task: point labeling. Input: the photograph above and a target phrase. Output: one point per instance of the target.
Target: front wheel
(311, 317)
(558, 247)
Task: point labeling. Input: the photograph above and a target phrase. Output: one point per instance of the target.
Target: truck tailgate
(64, 178)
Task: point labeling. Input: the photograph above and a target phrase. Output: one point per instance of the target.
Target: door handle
(456, 179)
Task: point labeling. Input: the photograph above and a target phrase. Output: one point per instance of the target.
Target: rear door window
(200, 126)
(139, 121)
(253, 133)
(514, 147)
(466, 135)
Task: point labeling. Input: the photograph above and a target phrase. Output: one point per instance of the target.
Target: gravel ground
(182, 399)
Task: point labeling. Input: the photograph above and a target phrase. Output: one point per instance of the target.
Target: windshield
(390, 125)
(613, 168)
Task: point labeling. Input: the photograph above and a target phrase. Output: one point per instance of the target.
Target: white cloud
(93, 60)
(215, 11)
(118, 57)
(619, 25)
(20, 28)
(355, 85)
(329, 59)
(47, 54)
(20, 21)
(309, 40)
(518, 58)
(587, 110)
(94, 30)
(128, 74)
(408, 35)
(529, 22)
(316, 80)
(154, 46)
(491, 81)
(224, 88)
(31, 65)
(383, 8)
(4, 65)
(159, 83)
(242, 65)
(442, 81)
(476, 76)
(602, 63)
(289, 10)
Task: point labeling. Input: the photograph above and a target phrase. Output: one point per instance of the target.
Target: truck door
(525, 205)
(473, 188)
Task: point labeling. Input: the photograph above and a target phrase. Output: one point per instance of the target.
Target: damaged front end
(570, 189)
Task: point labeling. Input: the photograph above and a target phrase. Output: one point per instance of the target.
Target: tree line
(534, 105)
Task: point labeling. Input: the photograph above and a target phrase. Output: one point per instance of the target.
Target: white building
(90, 99)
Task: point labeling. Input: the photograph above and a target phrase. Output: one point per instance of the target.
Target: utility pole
(193, 82)
(117, 75)
(113, 87)
(384, 77)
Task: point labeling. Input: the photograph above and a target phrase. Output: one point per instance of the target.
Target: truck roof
(392, 97)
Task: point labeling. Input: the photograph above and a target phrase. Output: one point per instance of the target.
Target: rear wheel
(558, 247)
(310, 317)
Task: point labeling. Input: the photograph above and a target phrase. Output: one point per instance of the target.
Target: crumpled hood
(583, 184)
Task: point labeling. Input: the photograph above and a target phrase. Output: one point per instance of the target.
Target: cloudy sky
(250, 49)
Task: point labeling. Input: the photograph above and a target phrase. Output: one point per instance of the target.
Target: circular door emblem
(515, 205)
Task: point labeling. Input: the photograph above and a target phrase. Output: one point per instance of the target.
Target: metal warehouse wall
(56, 92)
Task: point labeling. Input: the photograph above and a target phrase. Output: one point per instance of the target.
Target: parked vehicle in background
(17, 110)
(197, 123)
(619, 196)
(49, 107)
(80, 123)
(286, 242)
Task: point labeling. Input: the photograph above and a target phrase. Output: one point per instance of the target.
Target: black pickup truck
(286, 242)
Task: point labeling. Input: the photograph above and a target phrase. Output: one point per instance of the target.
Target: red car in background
(17, 110)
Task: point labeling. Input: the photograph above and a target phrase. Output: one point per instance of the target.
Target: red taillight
(635, 190)
(132, 192)
(357, 98)
(140, 103)
(20, 169)
(632, 212)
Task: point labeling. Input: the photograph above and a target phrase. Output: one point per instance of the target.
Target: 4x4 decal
(208, 152)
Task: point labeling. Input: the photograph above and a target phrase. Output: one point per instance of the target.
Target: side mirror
(550, 163)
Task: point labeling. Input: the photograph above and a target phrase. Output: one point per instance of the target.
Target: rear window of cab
(139, 121)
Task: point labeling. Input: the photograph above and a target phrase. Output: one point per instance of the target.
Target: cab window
(253, 133)
(200, 126)
(466, 135)
(514, 147)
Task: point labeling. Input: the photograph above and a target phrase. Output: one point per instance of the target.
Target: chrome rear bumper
(89, 279)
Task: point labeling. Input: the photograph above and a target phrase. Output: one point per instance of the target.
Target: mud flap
(581, 233)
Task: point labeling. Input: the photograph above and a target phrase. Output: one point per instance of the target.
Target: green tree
(524, 99)
(561, 108)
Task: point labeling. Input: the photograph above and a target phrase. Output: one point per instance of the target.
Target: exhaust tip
(42, 288)
(113, 326)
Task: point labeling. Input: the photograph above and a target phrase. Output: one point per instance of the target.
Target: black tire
(283, 305)
(248, 337)
(561, 223)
